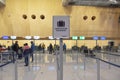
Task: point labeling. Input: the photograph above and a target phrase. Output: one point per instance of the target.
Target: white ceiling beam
(2, 3)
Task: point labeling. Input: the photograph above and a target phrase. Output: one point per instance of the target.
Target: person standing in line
(32, 50)
(64, 47)
(50, 48)
(43, 47)
(15, 47)
(40, 47)
(26, 51)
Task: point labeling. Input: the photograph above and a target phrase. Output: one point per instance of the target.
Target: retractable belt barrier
(110, 53)
(5, 63)
(7, 53)
(107, 62)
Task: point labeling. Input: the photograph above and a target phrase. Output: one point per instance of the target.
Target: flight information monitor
(102, 38)
(51, 37)
(36, 37)
(13, 37)
(28, 37)
(5, 37)
(74, 37)
(95, 37)
(82, 37)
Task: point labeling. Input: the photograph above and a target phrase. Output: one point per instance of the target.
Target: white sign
(61, 26)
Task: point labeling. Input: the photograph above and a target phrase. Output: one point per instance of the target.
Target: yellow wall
(12, 22)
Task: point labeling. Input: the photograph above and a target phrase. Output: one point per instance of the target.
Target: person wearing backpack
(26, 52)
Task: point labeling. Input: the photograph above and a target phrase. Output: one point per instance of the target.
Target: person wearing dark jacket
(32, 50)
(15, 47)
(50, 48)
(64, 47)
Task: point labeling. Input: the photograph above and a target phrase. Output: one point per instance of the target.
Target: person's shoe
(25, 65)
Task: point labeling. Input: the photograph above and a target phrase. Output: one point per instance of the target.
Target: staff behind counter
(2, 48)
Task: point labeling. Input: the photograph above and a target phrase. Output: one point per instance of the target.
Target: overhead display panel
(102, 38)
(5, 37)
(51, 37)
(82, 37)
(13, 37)
(74, 37)
(28, 37)
(36, 37)
(95, 37)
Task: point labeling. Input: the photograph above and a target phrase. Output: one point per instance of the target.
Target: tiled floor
(44, 67)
